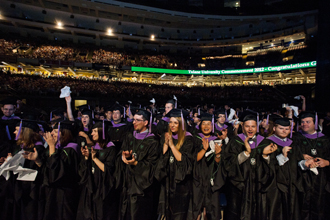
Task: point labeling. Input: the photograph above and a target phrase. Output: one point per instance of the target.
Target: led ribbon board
(232, 71)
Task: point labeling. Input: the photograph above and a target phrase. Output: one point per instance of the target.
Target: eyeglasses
(137, 120)
(8, 109)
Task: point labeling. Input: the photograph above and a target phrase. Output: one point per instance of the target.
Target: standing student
(99, 199)
(206, 187)
(162, 126)
(241, 159)
(315, 148)
(174, 169)
(61, 173)
(27, 193)
(136, 169)
(282, 188)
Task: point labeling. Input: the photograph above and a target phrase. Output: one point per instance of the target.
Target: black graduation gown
(98, 200)
(139, 195)
(175, 200)
(27, 201)
(282, 189)
(204, 194)
(61, 184)
(162, 126)
(243, 199)
(316, 187)
(6, 187)
(118, 132)
(229, 127)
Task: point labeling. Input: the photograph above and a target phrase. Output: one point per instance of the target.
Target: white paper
(25, 174)
(65, 92)
(15, 164)
(212, 147)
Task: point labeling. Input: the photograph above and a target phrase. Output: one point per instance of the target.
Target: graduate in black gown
(162, 125)
(27, 192)
(136, 165)
(241, 160)
(282, 188)
(315, 148)
(61, 173)
(99, 199)
(7, 137)
(206, 190)
(174, 169)
(222, 128)
(118, 130)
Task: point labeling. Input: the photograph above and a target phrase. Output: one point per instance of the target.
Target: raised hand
(286, 150)
(31, 155)
(85, 152)
(269, 149)
(321, 162)
(247, 145)
(218, 148)
(205, 144)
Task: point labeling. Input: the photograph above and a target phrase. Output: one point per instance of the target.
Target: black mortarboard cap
(117, 107)
(9, 101)
(306, 114)
(87, 111)
(171, 101)
(146, 114)
(205, 117)
(248, 115)
(177, 113)
(282, 121)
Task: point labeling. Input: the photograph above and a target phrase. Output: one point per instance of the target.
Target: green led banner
(232, 71)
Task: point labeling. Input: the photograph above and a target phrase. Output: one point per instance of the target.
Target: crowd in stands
(119, 58)
(50, 86)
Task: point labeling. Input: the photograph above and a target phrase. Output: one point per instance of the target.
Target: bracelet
(218, 156)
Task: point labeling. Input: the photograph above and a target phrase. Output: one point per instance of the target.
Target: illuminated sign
(232, 71)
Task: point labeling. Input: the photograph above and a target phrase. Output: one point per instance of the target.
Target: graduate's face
(95, 134)
(16, 132)
(174, 125)
(8, 110)
(116, 116)
(221, 118)
(168, 107)
(250, 128)
(85, 120)
(102, 118)
(139, 124)
(196, 119)
(206, 127)
(54, 133)
(307, 125)
(264, 123)
(282, 131)
(109, 115)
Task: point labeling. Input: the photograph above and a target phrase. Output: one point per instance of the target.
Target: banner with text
(232, 71)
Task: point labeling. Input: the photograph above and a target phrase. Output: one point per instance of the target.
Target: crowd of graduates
(135, 162)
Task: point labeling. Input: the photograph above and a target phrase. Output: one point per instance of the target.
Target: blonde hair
(181, 133)
(29, 137)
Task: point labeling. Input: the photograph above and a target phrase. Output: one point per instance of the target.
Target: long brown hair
(102, 142)
(28, 138)
(65, 137)
(181, 133)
